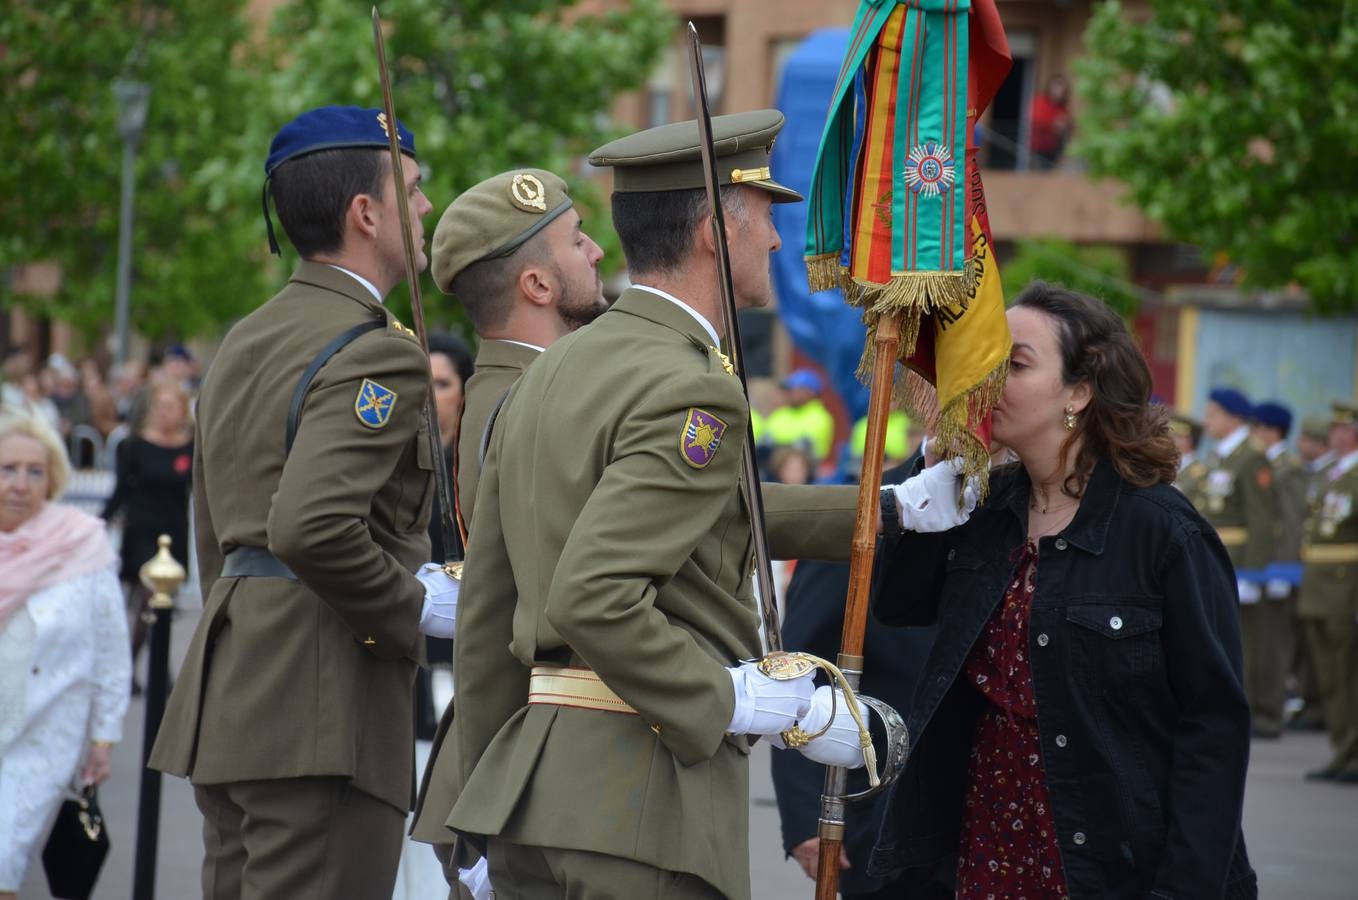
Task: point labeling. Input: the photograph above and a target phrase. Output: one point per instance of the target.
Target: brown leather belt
(575, 687)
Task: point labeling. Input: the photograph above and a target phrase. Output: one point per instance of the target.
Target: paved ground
(1303, 837)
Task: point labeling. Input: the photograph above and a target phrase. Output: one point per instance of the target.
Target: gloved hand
(928, 501)
(1277, 589)
(839, 746)
(476, 879)
(439, 616)
(1249, 591)
(765, 705)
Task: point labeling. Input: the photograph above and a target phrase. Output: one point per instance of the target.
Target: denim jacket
(1134, 639)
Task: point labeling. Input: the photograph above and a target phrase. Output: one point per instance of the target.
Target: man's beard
(575, 308)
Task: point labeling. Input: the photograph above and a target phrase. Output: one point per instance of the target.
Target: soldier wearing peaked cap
(292, 714)
(1328, 607)
(608, 600)
(1187, 434)
(512, 250)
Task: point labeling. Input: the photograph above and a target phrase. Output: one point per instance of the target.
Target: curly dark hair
(1120, 422)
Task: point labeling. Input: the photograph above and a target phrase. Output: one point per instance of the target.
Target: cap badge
(382, 120)
(527, 192)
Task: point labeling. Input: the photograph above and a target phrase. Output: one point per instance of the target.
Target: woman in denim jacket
(1080, 728)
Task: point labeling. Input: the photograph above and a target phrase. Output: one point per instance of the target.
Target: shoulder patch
(700, 437)
(374, 404)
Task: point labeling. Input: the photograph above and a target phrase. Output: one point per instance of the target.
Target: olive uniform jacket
(1237, 497)
(311, 677)
(498, 365)
(1329, 551)
(610, 533)
(1291, 481)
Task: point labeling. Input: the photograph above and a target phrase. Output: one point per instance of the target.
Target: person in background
(802, 421)
(151, 493)
(451, 367)
(1313, 449)
(1329, 597)
(125, 384)
(1080, 727)
(1187, 434)
(64, 664)
(1050, 125)
(1313, 444)
(895, 450)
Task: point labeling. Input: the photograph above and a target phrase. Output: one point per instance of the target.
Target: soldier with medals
(1237, 497)
(1187, 434)
(513, 252)
(608, 623)
(293, 712)
(1329, 597)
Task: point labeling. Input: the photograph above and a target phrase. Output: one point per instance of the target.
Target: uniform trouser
(297, 839)
(519, 872)
(1308, 689)
(457, 891)
(1334, 652)
(1266, 635)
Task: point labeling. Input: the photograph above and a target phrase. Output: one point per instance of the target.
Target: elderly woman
(64, 664)
(1080, 727)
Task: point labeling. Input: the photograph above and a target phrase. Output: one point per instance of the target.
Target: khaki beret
(668, 158)
(493, 219)
(1317, 428)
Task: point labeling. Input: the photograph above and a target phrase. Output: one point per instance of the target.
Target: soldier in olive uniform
(1313, 450)
(292, 714)
(1278, 655)
(1238, 498)
(603, 730)
(1187, 433)
(1329, 597)
(513, 252)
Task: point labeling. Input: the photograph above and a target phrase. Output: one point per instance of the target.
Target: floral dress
(1009, 847)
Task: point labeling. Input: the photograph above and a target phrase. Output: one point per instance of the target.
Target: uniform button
(1061, 544)
(1061, 740)
(1115, 623)
(952, 554)
(1079, 838)
(1042, 639)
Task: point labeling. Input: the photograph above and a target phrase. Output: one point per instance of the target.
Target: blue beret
(1231, 400)
(803, 378)
(332, 128)
(1274, 415)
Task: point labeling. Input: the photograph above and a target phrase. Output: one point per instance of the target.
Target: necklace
(1046, 507)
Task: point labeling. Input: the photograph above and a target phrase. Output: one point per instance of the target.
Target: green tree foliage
(1098, 271)
(196, 240)
(1236, 127)
(485, 84)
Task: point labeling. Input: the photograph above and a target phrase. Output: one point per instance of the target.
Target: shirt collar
(522, 344)
(1226, 446)
(707, 326)
(1345, 463)
(1275, 451)
(360, 279)
(1187, 460)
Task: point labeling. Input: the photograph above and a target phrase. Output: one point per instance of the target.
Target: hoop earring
(1069, 420)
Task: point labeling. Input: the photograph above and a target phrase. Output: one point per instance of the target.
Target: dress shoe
(1321, 775)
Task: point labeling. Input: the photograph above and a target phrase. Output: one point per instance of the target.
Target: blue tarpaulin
(822, 325)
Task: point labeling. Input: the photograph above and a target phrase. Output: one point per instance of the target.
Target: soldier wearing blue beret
(1239, 499)
(293, 713)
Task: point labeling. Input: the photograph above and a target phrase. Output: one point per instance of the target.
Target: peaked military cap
(493, 219)
(668, 158)
(328, 128)
(1344, 413)
(1183, 424)
(1317, 428)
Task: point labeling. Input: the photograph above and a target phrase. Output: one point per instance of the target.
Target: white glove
(1249, 591)
(1277, 589)
(477, 880)
(765, 705)
(928, 501)
(439, 616)
(839, 746)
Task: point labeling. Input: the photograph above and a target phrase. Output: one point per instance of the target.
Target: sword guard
(897, 748)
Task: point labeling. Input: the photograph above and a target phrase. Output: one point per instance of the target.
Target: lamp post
(133, 97)
(163, 575)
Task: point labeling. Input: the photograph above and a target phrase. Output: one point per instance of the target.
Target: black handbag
(76, 847)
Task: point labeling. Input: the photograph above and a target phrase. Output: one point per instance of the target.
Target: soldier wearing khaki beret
(605, 718)
(512, 250)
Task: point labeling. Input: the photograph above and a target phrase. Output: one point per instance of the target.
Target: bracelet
(891, 513)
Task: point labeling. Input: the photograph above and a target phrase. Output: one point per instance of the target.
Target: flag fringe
(823, 272)
(953, 434)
